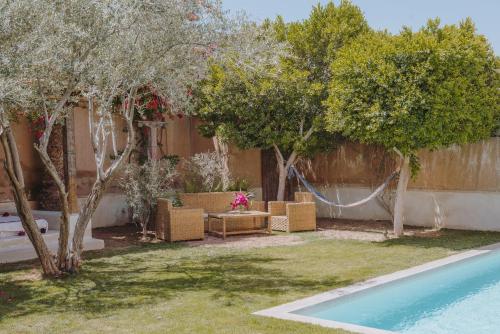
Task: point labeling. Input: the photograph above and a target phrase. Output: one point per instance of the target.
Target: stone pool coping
(284, 311)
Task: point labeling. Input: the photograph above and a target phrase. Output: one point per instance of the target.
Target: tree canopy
(280, 105)
(259, 112)
(426, 89)
(315, 41)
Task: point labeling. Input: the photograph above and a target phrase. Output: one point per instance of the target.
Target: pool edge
(284, 311)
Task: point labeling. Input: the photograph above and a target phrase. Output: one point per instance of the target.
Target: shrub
(203, 172)
(144, 184)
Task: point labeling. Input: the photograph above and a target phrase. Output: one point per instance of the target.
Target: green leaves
(280, 104)
(428, 89)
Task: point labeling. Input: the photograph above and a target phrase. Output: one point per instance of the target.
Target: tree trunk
(283, 170)
(86, 213)
(70, 161)
(52, 157)
(12, 166)
(222, 150)
(281, 182)
(404, 177)
(48, 197)
(46, 258)
(103, 176)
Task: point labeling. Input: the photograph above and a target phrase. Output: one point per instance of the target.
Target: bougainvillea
(240, 201)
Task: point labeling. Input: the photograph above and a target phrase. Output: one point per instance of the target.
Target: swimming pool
(456, 295)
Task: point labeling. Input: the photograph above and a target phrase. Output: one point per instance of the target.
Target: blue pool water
(460, 298)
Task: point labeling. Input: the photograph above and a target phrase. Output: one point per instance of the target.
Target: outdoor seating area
(211, 213)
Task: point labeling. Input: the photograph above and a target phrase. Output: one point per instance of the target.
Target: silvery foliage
(165, 45)
(103, 48)
(144, 184)
(205, 172)
(14, 88)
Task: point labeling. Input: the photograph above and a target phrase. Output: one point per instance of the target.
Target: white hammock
(323, 199)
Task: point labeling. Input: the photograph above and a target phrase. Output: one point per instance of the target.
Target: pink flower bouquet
(240, 202)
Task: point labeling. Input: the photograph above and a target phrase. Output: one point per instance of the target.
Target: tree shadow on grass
(96, 254)
(106, 287)
(454, 240)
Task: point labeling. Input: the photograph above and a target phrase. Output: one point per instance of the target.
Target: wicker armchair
(294, 216)
(176, 224)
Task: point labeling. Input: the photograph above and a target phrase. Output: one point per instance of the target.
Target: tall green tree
(280, 105)
(418, 90)
(281, 110)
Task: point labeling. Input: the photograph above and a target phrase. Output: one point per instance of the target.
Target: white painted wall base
(111, 211)
(14, 249)
(455, 210)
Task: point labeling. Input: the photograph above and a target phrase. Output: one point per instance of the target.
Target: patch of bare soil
(343, 229)
(249, 241)
(122, 236)
(353, 235)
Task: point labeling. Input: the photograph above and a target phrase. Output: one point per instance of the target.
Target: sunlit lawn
(176, 289)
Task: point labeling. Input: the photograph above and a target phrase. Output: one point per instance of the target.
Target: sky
(388, 14)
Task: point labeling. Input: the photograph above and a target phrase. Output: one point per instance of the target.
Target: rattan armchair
(294, 216)
(176, 224)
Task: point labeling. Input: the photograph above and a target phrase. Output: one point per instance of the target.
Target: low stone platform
(19, 248)
(14, 249)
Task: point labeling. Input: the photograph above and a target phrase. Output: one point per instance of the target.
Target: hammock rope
(323, 199)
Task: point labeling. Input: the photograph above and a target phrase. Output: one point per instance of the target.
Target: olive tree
(418, 90)
(104, 52)
(101, 51)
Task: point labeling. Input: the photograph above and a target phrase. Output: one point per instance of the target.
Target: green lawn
(174, 289)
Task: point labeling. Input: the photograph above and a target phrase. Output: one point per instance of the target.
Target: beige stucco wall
(453, 177)
(457, 187)
(29, 160)
(472, 167)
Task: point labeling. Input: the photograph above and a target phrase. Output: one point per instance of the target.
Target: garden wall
(458, 187)
(31, 165)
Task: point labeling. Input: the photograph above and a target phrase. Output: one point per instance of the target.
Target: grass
(175, 289)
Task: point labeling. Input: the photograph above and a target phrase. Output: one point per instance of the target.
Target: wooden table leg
(269, 230)
(224, 228)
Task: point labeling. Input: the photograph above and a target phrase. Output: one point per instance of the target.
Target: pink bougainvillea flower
(240, 200)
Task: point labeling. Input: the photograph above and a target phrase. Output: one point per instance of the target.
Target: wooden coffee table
(235, 216)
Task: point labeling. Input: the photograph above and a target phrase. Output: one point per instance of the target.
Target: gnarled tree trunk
(12, 166)
(86, 213)
(99, 142)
